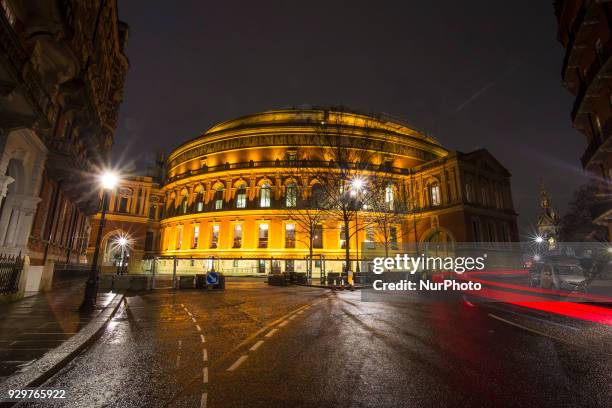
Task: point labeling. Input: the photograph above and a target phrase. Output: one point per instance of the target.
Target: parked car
(558, 273)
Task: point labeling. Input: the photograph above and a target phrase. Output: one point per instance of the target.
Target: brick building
(61, 84)
(134, 210)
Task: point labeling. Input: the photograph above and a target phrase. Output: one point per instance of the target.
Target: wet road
(260, 346)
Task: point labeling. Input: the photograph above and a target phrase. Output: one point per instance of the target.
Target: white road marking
(203, 401)
(300, 312)
(271, 333)
(178, 356)
(182, 305)
(292, 317)
(527, 328)
(193, 319)
(237, 363)
(205, 375)
(256, 345)
(202, 338)
(283, 323)
(198, 327)
(204, 355)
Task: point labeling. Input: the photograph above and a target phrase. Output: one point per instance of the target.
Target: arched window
(199, 201)
(316, 196)
(291, 196)
(265, 196)
(389, 197)
(183, 205)
(241, 196)
(218, 199)
(434, 194)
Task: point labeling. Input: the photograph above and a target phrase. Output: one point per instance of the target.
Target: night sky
(471, 73)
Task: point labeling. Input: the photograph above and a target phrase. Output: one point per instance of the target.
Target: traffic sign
(212, 278)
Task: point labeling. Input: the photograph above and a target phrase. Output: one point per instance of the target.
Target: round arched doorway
(117, 251)
(438, 242)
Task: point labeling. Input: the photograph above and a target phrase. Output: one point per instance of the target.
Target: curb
(54, 360)
(329, 287)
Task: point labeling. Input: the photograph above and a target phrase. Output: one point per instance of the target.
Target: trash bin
(221, 284)
(186, 282)
(200, 281)
(277, 279)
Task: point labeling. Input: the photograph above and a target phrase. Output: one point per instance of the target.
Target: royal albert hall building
(230, 194)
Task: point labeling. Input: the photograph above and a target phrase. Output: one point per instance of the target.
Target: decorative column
(24, 222)
(9, 238)
(4, 183)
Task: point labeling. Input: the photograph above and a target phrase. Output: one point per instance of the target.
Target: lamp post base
(89, 300)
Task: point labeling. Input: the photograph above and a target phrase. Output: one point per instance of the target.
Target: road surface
(259, 346)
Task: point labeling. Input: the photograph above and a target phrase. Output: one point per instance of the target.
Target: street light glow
(109, 180)
(357, 184)
(539, 239)
(122, 241)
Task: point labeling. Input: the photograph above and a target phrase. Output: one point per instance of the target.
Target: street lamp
(356, 187)
(108, 181)
(122, 242)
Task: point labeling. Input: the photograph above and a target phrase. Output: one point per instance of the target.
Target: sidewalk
(31, 327)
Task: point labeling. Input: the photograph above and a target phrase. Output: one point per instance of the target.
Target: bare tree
(347, 163)
(388, 208)
(306, 207)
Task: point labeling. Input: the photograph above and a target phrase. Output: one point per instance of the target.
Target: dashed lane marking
(193, 319)
(528, 329)
(271, 333)
(198, 327)
(204, 355)
(256, 345)
(237, 363)
(204, 400)
(283, 323)
(205, 375)
(202, 338)
(178, 355)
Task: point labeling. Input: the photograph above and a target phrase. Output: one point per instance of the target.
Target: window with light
(265, 196)
(214, 236)
(241, 197)
(291, 196)
(263, 235)
(237, 236)
(289, 235)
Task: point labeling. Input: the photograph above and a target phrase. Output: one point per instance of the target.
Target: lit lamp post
(108, 181)
(122, 242)
(357, 187)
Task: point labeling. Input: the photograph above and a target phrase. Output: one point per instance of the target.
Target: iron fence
(10, 269)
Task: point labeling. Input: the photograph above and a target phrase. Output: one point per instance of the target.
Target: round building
(237, 197)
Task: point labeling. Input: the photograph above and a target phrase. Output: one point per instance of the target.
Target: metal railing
(10, 270)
